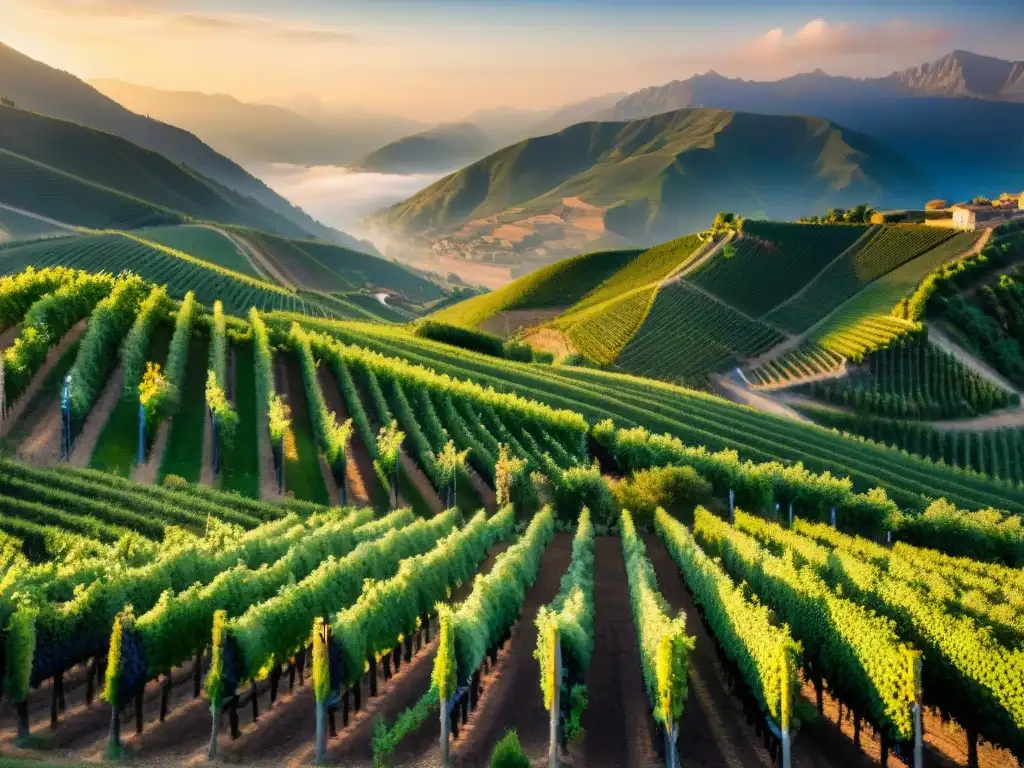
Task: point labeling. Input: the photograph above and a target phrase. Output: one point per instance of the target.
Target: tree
(936, 205)
(7, 102)
(389, 445)
(506, 471)
(449, 462)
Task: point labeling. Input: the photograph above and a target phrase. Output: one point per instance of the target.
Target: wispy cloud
(818, 40)
(158, 15)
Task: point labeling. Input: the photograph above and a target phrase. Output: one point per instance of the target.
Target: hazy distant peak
(963, 73)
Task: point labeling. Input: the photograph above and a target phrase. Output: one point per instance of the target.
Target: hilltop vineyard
(304, 520)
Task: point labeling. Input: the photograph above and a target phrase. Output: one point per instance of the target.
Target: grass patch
(184, 453)
(117, 447)
(241, 466)
(302, 475)
(48, 396)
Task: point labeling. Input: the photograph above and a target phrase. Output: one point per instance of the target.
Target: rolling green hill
(44, 146)
(15, 226)
(661, 176)
(35, 86)
(558, 285)
(439, 149)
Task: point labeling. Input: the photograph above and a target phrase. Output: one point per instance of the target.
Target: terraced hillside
(687, 332)
(601, 323)
(553, 288)
(334, 269)
(890, 247)
(700, 305)
(206, 243)
(447, 582)
(781, 256)
(983, 303)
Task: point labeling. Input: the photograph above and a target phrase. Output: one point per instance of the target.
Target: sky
(443, 59)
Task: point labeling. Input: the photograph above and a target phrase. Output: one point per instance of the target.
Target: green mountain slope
(661, 176)
(70, 200)
(38, 87)
(558, 285)
(441, 148)
(112, 162)
(248, 133)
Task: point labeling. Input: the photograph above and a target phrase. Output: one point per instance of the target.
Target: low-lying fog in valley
(339, 196)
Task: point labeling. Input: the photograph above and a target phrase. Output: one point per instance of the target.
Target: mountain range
(299, 130)
(302, 130)
(960, 118)
(653, 178)
(37, 87)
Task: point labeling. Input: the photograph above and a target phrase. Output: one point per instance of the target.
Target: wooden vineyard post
(671, 749)
(445, 675)
(732, 506)
(833, 517)
(555, 703)
(321, 674)
(142, 435)
(785, 706)
(918, 730)
(446, 724)
(114, 743)
(791, 514)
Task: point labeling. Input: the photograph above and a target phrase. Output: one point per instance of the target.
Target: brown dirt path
(512, 696)
(8, 336)
(85, 442)
(147, 473)
(55, 353)
(742, 394)
(254, 256)
(619, 730)
(421, 482)
(486, 493)
(358, 464)
(1009, 417)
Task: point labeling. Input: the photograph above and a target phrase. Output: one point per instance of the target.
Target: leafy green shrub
(177, 482)
(581, 487)
(518, 351)
(508, 753)
(675, 489)
(544, 358)
(476, 341)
